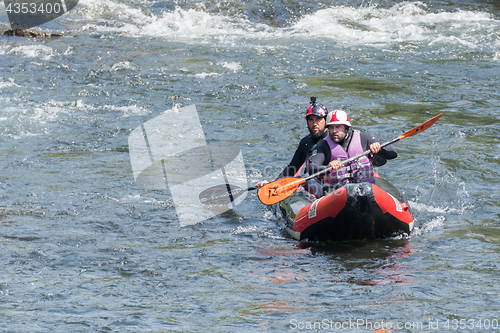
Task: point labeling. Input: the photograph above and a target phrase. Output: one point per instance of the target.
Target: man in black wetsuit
(342, 143)
(316, 121)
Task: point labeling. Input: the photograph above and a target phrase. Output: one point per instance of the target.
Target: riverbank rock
(28, 33)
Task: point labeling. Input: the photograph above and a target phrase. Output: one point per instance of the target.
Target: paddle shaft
(232, 193)
(282, 188)
(351, 159)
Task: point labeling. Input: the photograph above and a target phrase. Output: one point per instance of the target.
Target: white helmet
(338, 117)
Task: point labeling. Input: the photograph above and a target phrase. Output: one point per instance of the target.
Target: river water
(85, 249)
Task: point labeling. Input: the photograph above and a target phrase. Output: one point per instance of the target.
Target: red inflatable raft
(354, 211)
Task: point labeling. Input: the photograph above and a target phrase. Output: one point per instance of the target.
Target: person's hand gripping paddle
(280, 189)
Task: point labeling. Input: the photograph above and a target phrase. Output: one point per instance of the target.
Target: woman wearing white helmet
(342, 143)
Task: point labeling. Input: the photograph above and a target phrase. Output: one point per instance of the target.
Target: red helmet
(316, 109)
(338, 117)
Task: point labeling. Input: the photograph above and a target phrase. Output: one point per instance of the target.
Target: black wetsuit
(302, 153)
(321, 155)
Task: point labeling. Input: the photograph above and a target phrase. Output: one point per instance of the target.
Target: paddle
(222, 194)
(281, 189)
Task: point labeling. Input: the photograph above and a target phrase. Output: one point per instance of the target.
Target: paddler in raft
(342, 143)
(316, 124)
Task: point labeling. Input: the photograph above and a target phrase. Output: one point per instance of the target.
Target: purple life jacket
(356, 172)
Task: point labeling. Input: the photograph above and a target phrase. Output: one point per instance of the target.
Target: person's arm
(385, 153)
(319, 159)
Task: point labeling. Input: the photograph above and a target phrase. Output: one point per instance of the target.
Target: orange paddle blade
(420, 128)
(278, 190)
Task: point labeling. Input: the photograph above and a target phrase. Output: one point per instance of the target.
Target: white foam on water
(435, 223)
(497, 53)
(245, 229)
(22, 117)
(131, 198)
(22, 134)
(129, 110)
(407, 22)
(122, 65)
(81, 105)
(457, 207)
(204, 75)
(9, 83)
(49, 113)
(271, 216)
(32, 51)
(196, 24)
(108, 10)
(420, 207)
(179, 24)
(234, 66)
